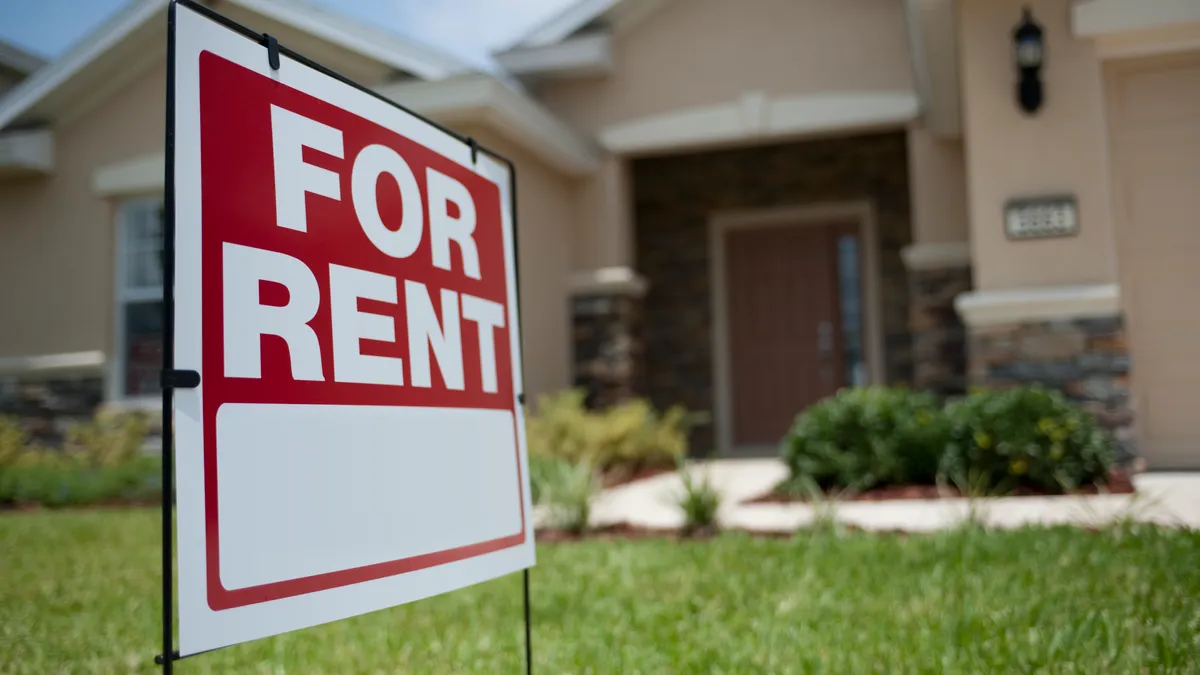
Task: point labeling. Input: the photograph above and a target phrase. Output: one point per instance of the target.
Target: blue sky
(468, 29)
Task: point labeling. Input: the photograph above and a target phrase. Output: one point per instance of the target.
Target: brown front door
(784, 323)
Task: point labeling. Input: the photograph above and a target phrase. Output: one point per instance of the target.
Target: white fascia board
(392, 50)
(565, 23)
(757, 116)
(482, 98)
(23, 152)
(137, 176)
(1103, 17)
(1020, 305)
(33, 89)
(587, 55)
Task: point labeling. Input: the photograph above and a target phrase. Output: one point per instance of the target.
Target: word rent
(451, 217)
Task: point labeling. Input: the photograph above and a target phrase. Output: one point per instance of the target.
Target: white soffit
(758, 116)
(136, 176)
(480, 98)
(26, 152)
(617, 15)
(585, 55)
(985, 308)
(1095, 18)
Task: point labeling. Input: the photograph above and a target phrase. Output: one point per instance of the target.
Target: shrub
(568, 490)
(627, 436)
(100, 461)
(1027, 436)
(541, 472)
(56, 479)
(109, 439)
(14, 442)
(864, 437)
(699, 501)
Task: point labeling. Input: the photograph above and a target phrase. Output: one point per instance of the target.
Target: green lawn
(78, 594)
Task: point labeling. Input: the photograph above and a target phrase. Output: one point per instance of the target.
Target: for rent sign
(345, 285)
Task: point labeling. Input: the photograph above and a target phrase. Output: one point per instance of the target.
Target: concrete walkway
(1172, 499)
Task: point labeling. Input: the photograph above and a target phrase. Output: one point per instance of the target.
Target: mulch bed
(627, 532)
(617, 477)
(1120, 482)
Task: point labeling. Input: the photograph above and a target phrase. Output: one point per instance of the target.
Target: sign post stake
(528, 624)
(168, 361)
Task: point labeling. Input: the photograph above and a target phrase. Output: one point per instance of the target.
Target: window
(850, 299)
(139, 298)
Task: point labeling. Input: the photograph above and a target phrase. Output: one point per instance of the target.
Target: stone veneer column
(937, 274)
(46, 406)
(606, 311)
(1072, 339)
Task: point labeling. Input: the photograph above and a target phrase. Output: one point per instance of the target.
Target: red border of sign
(220, 598)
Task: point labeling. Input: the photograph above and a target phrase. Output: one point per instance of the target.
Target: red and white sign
(345, 285)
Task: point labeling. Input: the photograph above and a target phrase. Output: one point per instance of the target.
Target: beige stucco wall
(545, 223)
(56, 236)
(1063, 149)
(604, 230)
(699, 52)
(938, 183)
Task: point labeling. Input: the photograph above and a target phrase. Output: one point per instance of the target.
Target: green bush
(53, 479)
(568, 490)
(100, 461)
(699, 501)
(865, 437)
(542, 471)
(1027, 436)
(625, 437)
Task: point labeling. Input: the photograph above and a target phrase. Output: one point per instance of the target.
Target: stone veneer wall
(1086, 358)
(674, 198)
(938, 335)
(46, 407)
(607, 352)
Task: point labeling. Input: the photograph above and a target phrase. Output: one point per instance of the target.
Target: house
(737, 206)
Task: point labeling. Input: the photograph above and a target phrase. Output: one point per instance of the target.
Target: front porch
(768, 277)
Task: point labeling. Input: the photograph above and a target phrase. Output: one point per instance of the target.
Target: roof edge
(400, 53)
(16, 58)
(482, 98)
(31, 90)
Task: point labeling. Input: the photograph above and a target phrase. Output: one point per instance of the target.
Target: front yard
(79, 594)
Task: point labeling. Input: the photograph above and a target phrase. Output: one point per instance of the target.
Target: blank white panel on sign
(296, 483)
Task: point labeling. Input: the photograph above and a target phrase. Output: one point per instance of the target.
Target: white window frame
(123, 297)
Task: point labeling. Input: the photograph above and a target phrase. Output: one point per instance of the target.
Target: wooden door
(785, 337)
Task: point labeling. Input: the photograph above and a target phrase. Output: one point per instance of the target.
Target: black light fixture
(1029, 51)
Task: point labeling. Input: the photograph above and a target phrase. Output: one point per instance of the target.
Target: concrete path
(1168, 498)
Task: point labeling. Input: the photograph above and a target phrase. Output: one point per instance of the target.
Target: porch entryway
(774, 279)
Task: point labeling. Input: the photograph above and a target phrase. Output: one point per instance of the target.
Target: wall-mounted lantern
(1029, 51)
